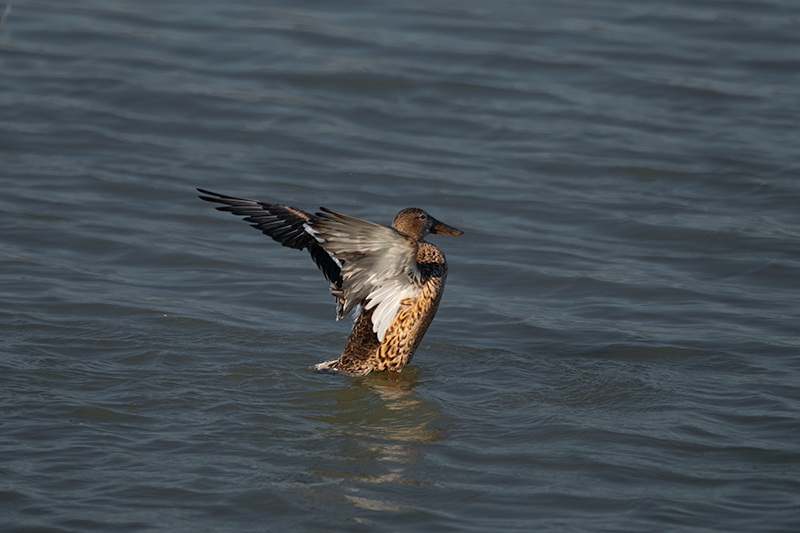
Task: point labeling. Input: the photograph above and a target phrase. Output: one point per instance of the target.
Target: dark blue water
(618, 345)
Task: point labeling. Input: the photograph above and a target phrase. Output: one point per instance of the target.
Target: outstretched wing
(379, 264)
(286, 225)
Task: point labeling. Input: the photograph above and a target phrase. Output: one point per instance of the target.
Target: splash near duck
(392, 274)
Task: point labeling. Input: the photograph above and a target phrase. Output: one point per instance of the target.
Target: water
(617, 348)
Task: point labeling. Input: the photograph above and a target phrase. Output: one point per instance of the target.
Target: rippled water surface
(618, 346)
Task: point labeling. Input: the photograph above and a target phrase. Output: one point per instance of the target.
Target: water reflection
(384, 406)
(377, 423)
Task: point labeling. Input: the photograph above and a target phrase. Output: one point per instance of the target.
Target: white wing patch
(385, 299)
(379, 265)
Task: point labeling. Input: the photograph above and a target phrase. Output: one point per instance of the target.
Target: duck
(390, 274)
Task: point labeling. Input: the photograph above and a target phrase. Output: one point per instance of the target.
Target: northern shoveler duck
(393, 274)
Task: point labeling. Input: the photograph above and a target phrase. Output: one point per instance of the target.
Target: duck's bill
(443, 229)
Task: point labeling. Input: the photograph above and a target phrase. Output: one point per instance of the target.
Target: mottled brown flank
(363, 352)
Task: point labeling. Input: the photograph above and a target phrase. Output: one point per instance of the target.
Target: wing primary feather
(285, 224)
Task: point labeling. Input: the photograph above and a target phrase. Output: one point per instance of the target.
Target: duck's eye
(423, 217)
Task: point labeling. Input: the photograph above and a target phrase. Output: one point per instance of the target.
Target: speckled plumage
(392, 273)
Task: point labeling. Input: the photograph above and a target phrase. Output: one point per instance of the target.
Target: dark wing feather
(285, 224)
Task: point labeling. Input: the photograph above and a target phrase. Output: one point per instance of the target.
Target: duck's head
(416, 223)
